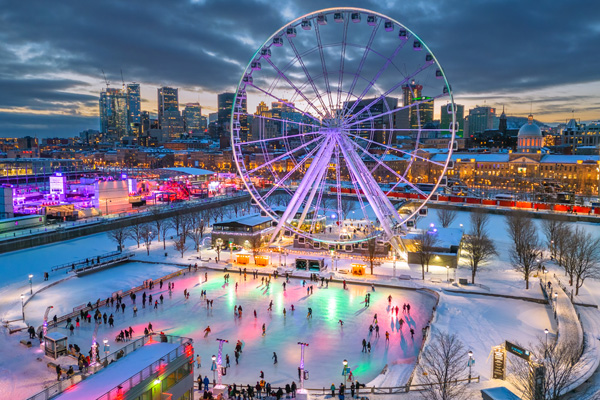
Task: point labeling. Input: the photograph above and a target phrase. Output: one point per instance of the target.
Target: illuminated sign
(58, 184)
(517, 351)
(499, 363)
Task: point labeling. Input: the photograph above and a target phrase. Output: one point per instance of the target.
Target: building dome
(530, 128)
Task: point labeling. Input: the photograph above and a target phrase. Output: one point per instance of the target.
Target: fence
(86, 261)
(103, 362)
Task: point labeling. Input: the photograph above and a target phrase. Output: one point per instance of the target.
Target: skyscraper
(446, 118)
(169, 116)
(225, 103)
(168, 100)
(482, 119)
(113, 112)
(133, 109)
(419, 114)
(191, 117)
(380, 124)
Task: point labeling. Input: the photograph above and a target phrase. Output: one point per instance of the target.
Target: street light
(345, 362)
(302, 346)
(30, 284)
(447, 274)
(546, 332)
(23, 306)
(213, 368)
(470, 364)
(106, 347)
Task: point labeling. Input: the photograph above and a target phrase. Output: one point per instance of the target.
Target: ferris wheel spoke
(306, 114)
(362, 60)
(387, 92)
(287, 121)
(359, 195)
(310, 79)
(357, 129)
(285, 154)
(415, 104)
(318, 203)
(408, 153)
(318, 164)
(278, 184)
(342, 59)
(278, 138)
(338, 185)
(384, 165)
(324, 66)
(377, 76)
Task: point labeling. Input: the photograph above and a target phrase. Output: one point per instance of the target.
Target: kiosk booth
(358, 269)
(55, 345)
(304, 264)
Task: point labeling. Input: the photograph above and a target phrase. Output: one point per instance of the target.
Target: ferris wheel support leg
(318, 164)
(381, 205)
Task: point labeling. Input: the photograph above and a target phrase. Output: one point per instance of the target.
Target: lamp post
(345, 362)
(447, 274)
(23, 306)
(470, 364)
(213, 368)
(302, 345)
(394, 264)
(279, 248)
(219, 360)
(546, 333)
(30, 284)
(106, 347)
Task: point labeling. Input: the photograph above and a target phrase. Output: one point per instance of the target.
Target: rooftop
(116, 373)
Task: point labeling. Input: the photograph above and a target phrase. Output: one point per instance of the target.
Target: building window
(169, 381)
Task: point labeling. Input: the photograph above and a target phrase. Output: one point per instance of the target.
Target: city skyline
(51, 86)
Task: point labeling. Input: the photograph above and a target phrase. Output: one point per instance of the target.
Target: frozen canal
(330, 343)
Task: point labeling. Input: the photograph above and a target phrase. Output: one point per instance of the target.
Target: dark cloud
(22, 124)
(492, 46)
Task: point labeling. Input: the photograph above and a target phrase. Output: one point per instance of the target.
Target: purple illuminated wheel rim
(349, 92)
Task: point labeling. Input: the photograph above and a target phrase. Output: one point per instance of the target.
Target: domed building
(530, 137)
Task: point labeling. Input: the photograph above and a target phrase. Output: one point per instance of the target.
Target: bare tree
(371, 252)
(552, 229)
(180, 245)
(164, 228)
(442, 365)
(526, 244)
(157, 219)
(135, 232)
(147, 234)
(424, 245)
(479, 247)
(561, 247)
(218, 249)
(446, 216)
(176, 221)
(348, 205)
(256, 243)
(581, 259)
(118, 235)
(196, 229)
(560, 370)
(186, 224)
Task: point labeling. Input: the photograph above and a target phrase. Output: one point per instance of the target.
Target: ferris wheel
(329, 119)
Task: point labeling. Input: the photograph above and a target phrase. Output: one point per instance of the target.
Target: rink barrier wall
(102, 303)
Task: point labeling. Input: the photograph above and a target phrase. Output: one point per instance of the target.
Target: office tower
(419, 114)
(482, 119)
(225, 104)
(446, 119)
(380, 124)
(191, 117)
(113, 112)
(168, 100)
(134, 121)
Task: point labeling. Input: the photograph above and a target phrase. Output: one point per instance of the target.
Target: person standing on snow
(274, 358)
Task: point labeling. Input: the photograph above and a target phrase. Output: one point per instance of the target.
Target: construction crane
(105, 80)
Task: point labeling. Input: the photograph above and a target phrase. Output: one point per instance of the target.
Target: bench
(26, 343)
(436, 280)
(404, 277)
(53, 365)
(463, 281)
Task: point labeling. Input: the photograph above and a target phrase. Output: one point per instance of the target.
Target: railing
(383, 390)
(86, 261)
(61, 386)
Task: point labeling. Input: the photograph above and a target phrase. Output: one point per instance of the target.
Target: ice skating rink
(329, 342)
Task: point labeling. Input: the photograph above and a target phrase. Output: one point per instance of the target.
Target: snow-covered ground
(480, 321)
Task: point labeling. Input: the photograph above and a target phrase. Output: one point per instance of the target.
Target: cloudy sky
(522, 54)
